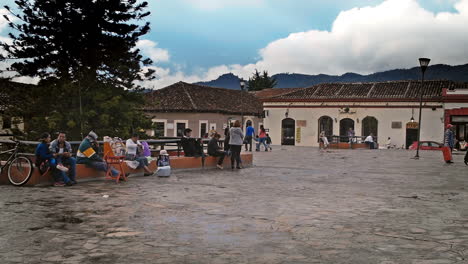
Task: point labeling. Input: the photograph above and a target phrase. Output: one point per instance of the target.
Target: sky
(198, 40)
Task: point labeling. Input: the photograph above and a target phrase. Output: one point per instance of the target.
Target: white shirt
(369, 139)
(132, 147)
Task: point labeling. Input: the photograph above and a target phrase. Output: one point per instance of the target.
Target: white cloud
(150, 49)
(393, 34)
(211, 5)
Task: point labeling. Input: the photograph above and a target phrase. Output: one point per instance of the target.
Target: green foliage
(261, 81)
(82, 50)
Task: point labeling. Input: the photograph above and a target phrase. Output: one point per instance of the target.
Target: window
(203, 128)
(6, 122)
(159, 129)
(425, 144)
(180, 127)
(369, 125)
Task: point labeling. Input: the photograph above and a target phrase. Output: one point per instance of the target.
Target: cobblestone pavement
(296, 205)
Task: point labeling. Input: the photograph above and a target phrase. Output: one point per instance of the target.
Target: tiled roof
(400, 90)
(185, 97)
(272, 92)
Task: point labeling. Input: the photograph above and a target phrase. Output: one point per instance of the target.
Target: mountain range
(294, 80)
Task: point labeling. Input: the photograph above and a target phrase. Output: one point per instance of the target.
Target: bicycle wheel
(20, 170)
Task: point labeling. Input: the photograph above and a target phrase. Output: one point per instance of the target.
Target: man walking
(61, 150)
(248, 137)
(449, 140)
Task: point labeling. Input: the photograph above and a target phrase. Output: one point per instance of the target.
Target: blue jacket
(42, 152)
(449, 138)
(250, 131)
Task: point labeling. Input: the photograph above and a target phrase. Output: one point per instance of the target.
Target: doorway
(411, 133)
(288, 128)
(345, 125)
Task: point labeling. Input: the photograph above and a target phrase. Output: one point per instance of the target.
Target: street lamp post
(242, 85)
(424, 63)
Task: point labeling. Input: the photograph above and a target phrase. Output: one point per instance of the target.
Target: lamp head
(424, 63)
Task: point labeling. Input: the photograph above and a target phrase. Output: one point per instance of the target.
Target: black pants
(235, 155)
(248, 142)
(219, 154)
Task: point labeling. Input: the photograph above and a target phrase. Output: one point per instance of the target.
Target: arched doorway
(370, 125)
(325, 124)
(288, 128)
(345, 125)
(411, 133)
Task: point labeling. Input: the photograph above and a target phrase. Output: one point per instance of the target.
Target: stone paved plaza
(296, 205)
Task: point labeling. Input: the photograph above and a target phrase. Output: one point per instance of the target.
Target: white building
(385, 109)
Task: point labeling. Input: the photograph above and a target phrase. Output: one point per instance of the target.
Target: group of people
(233, 142)
(57, 157)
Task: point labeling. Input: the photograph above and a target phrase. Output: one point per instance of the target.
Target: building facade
(387, 110)
(201, 108)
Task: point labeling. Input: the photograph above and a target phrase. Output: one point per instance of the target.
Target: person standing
(262, 139)
(351, 135)
(235, 143)
(449, 140)
(61, 150)
(212, 132)
(215, 151)
(249, 134)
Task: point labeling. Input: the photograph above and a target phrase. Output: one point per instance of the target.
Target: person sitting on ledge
(61, 149)
(370, 141)
(215, 151)
(192, 147)
(43, 155)
(87, 154)
(135, 151)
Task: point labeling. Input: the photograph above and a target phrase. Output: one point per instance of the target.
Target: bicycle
(19, 167)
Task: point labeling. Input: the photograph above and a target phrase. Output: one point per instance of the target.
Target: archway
(288, 128)
(370, 125)
(411, 133)
(345, 125)
(325, 124)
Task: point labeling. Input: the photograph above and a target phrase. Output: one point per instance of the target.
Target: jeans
(71, 163)
(235, 156)
(261, 141)
(142, 162)
(248, 142)
(102, 166)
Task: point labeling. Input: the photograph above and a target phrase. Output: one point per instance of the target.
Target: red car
(426, 145)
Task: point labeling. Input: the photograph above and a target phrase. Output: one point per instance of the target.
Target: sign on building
(298, 135)
(301, 123)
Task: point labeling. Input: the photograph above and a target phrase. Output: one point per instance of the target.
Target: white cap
(92, 135)
(163, 152)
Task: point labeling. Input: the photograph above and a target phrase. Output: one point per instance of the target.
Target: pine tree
(81, 49)
(261, 81)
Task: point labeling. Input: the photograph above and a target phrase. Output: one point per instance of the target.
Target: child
(164, 164)
(268, 142)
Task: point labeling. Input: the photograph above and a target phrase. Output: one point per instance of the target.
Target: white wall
(432, 124)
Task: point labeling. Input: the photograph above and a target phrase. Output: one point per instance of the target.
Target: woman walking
(235, 142)
(262, 139)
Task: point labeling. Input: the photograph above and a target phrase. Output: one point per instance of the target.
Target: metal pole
(242, 109)
(420, 113)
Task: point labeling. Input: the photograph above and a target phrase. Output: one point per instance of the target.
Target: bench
(84, 173)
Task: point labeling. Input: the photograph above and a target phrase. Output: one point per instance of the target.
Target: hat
(449, 126)
(163, 152)
(92, 135)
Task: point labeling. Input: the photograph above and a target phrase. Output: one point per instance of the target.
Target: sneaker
(69, 183)
(238, 167)
(59, 184)
(219, 167)
(62, 168)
